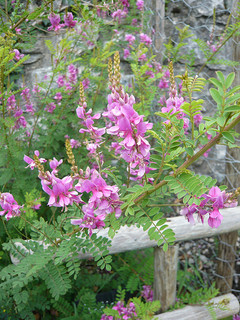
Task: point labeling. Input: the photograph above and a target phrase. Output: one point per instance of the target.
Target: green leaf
(216, 82)
(220, 77)
(147, 225)
(35, 14)
(230, 79)
(234, 108)
(233, 99)
(190, 151)
(221, 121)
(108, 267)
(228, 136)
(216, 96)
(165, 247)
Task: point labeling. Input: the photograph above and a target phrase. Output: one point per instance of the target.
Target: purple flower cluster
(128, 312)
(147, 293)
(129, 126)
(140, 5)
(144, 38)
(211, 203)
(68, 82)
(61, 191)
(17, 113)
(88, 123)
(9, 205)
(119, 15)
(55, 21)
(103, 201)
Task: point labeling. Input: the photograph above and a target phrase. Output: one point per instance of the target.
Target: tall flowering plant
(78, 153)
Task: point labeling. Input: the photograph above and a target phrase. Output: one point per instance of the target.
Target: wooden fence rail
(165, 271)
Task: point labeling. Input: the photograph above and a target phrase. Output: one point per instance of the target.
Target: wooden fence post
(227, 246)
(226, 261)
(165, 276)
(157, 8)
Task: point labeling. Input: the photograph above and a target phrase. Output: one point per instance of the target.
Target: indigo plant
(78, 154)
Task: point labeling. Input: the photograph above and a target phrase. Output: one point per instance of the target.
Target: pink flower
(73, 71)
(197, 119)
(9, 205)
(61, 81)
(75, 143)
(143, 57)
(130, 38)
(144, 38)
(147, 293)
(25, 94)
(140, 4)
(119, 15)
(85, 83)
(62, 193)
(126, 53)
(18, 31)
(36, 89)
(215, 218)
(134, 22)
(18, 56)
(11, 103)
(216, 196)
(31, 163)
(50, 107)
(55, 22)
(125, 3)
(68, 19)
(54, 164)
(90, 222)
(58, 97)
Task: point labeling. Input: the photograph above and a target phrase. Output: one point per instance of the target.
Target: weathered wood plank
(229, 301)
(165, 276)
(133, 238)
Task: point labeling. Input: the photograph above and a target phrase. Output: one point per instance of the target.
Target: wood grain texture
(226, 261)
(133, 238)
(229, 301)
(165, 276)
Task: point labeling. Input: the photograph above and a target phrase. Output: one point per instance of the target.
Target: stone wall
(163, 19)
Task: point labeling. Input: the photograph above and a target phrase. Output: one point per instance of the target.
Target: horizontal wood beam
(223, 306)
(133, 238)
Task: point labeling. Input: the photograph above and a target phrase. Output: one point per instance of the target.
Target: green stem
(166, 205)
(191, 160)
(38, 230)
(214, 53)
(14, 245)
